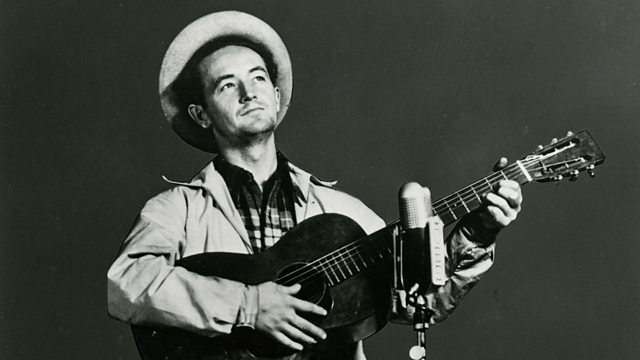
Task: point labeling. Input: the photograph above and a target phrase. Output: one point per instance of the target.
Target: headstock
(564, 157)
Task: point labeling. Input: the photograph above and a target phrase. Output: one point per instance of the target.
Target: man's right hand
(278, 316)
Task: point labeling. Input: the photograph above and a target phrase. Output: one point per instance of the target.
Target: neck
(258, 158)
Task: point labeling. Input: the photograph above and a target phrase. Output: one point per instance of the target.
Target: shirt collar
(236, 177)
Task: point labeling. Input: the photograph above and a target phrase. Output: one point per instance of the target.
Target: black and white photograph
(319, 180)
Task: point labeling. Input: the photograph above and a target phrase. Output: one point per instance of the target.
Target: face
(241, 102)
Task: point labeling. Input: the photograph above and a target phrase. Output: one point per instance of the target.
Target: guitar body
(357, 307)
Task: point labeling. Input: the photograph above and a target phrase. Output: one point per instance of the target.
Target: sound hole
(314, 287)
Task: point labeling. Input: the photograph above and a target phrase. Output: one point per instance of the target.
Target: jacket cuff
(248, 308)
(474, 230)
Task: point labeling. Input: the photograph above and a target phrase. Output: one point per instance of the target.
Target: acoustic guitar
(341, 268)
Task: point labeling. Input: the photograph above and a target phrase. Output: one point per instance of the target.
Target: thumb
(291, 290)
(500, 164)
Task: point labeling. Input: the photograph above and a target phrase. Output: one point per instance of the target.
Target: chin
(261, 126)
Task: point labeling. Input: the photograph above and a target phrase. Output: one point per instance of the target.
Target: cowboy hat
(225, 24)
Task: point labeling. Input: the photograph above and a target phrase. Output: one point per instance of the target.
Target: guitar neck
(454, 206)
(355, 257)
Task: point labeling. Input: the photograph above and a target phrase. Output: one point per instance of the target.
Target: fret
(356, 264)
(463, 203)
(355, 260)
(445, 217)
(476, 194)
(341, 272)
(503, 175)
(488, 183)
(451, 211)
(346, 263)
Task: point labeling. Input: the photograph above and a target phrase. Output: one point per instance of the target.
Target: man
(225, 85)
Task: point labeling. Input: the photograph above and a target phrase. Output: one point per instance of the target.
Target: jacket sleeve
(144, 286)
(470, 254)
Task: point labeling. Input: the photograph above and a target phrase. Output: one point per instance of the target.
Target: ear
(196, 112)
(277, 92)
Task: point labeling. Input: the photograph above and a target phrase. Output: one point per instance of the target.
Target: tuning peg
(574, 175)
(554, 140)
(591, 170)
(569, 133)
(558, 177)
(540, 147)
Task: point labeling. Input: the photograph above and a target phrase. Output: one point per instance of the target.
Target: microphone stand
(423, 264)
(421, 318)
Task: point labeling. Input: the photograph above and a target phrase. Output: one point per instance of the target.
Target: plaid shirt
(267, 215)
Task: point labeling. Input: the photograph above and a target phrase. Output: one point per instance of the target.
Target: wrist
(475, 229)
(248, 310)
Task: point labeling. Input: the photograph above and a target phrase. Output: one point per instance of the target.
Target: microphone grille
(412, 199)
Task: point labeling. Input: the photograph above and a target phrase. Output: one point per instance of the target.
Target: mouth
(251, 110)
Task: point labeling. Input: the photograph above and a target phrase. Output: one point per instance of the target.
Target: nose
(247, 93)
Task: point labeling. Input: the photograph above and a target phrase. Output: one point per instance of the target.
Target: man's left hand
(502, 205)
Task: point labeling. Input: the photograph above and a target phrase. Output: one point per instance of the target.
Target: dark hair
(189, 85)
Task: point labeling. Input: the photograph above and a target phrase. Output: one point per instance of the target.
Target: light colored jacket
(144, 287)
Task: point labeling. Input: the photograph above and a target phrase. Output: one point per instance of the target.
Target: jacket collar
(212, 183)
(302, 180)
(210, 179)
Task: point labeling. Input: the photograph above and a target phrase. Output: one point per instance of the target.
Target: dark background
(431, 91)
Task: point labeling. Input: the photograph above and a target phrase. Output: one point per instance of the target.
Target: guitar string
(329, 256)
(509, 168)
(343, 259)
(513, 169)
(348, 255)
(331, 260)
(339, 261)
(469, 193)
(463, 195)
(525, 162)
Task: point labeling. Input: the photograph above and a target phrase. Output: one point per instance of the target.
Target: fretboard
(454, 206)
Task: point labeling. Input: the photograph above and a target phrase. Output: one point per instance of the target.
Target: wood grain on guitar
(341, 268)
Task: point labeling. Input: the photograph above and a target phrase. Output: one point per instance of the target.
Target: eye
(226, 86)
(261, 78)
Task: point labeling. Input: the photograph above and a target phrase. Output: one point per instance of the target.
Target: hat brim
(193, 37)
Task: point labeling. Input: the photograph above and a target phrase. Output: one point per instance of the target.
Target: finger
(286, 341)
(296, 334)
(291, 290)
(305, 306)
(510, 184)
(500, 164)
(496, 217)
(513, 190)
(500, 204)
(514, 199)
(309, 328)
